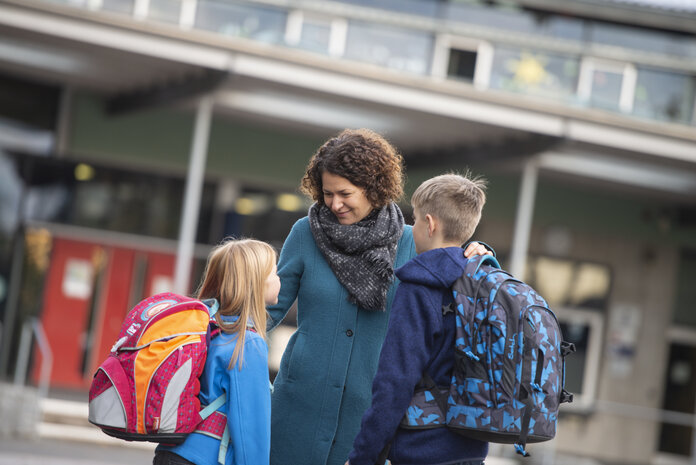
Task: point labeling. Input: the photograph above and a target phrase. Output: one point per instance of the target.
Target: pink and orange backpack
(147, 388)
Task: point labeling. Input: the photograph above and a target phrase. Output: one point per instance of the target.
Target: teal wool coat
(325, 378)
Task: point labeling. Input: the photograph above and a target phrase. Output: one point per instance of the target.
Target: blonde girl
(241, 276)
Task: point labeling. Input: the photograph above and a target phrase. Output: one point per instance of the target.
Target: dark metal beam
(165, 93)
(485, 152)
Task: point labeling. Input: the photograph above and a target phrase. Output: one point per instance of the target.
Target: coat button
(349, 333)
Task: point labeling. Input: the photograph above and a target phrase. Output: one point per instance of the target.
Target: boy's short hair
(455, 200)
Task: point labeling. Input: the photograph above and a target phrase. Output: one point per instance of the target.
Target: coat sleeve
(404, 357)
(290, 269)
(249, 406)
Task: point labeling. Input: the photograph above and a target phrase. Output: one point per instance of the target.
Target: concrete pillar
(192, 195)
(523, 218)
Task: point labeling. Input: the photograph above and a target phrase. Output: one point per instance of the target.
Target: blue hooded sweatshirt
(419, 339)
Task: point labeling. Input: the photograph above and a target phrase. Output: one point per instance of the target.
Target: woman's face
(345, 200)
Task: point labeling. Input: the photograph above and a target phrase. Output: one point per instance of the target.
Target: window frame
(585, 400)
(445, 43)
(337, 35)
(676, 334)
(588, 66)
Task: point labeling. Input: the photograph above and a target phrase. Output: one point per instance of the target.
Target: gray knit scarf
(361, 255)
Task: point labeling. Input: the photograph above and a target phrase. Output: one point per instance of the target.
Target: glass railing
(567, 75)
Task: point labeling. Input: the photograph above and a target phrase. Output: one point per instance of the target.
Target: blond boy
(420, 337)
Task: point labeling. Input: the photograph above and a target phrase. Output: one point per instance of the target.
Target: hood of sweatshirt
(434, 268)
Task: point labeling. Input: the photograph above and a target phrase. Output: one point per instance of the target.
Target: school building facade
(135, 134)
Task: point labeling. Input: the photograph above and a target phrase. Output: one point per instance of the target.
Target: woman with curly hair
(338, 263)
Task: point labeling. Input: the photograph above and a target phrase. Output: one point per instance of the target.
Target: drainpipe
(523, 218)
(192, 195)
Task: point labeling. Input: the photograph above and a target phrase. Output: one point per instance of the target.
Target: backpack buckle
(567, 348)
(566, 396)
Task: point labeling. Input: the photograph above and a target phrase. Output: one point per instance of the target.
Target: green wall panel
(161, 138)
(150, 138)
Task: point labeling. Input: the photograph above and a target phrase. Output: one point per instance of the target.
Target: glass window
(564, 27)
(416, 7)
(167, 11)
(110, 199)
(606, 89)
(315, 36)
(119, 6)
(311, 33)
(680, 385)
(570, 283)
(579, 335)
(462, 64)
(242, 20)
(664, 95)
(399, 49)
(77, 3)
(578, 293)
(535, 72)
(684, 313)
(508, 19)
(264, 215)
(642, 39)
(584, 330)
(27, 105)
(607, 85)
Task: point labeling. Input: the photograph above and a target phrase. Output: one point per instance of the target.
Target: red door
(65, 315)
(89, 289)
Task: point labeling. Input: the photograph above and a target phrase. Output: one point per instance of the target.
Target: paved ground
(22, 451)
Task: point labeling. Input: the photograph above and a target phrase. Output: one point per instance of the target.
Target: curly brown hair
(364, 158)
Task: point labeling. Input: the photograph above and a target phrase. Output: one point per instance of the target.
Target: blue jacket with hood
(419, 339)
(247, 403)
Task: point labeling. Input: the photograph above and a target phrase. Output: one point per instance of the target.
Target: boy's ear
(432, 224)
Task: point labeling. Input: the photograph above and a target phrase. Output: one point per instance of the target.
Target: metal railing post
(29, 326)
(46, 358)
(20, 374)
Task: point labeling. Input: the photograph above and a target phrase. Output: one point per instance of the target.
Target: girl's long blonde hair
(236, 275)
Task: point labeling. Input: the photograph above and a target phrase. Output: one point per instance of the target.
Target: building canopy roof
(674, 5)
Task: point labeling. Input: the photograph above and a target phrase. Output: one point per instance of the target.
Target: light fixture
(253, 204)
(289, 202)
(84, 172)
(244, 206)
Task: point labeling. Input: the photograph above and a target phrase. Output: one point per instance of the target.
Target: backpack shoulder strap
(476, 262)
(213, 406)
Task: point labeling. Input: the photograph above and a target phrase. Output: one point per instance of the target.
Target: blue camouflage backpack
(509, 370)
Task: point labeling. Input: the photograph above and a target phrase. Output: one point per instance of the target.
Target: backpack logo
(155, 308)
(133, 328)
(511, 350)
